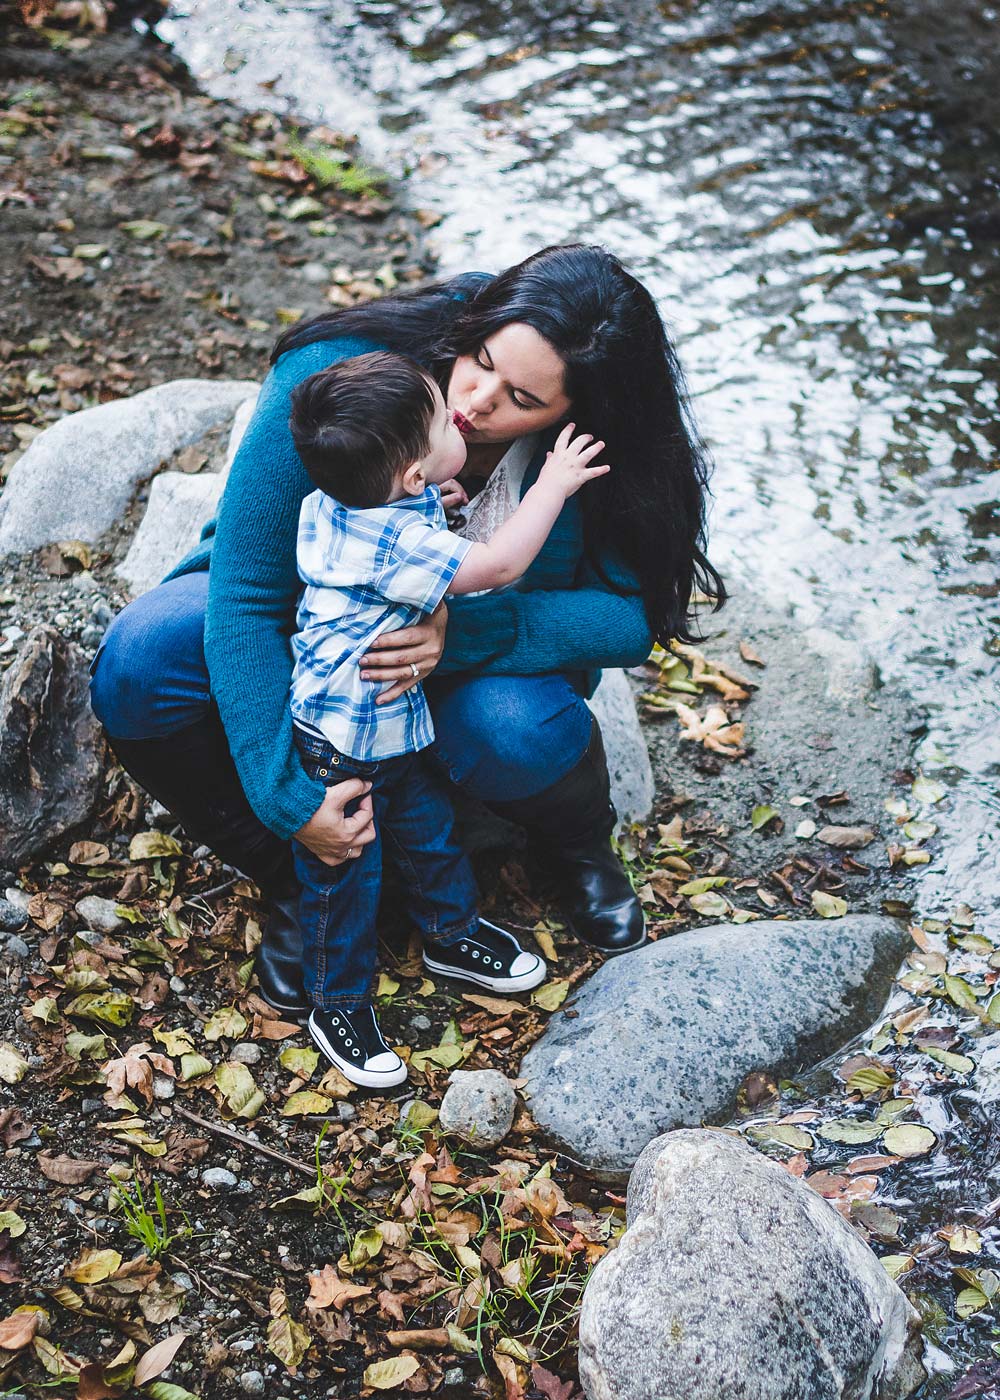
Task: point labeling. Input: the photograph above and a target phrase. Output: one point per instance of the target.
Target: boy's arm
(512, 548)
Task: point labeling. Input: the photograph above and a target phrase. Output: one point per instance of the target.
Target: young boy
(374, 554)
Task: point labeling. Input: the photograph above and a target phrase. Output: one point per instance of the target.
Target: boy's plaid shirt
(366, 571)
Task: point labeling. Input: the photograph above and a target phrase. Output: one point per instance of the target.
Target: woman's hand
(334, 837)
(393, 655)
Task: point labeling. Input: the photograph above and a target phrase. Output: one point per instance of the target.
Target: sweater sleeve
(253, 587)
(586, 628)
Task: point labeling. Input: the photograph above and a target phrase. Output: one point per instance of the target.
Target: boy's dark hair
(359, 423)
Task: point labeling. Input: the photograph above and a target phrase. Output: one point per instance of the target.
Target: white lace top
(501, 495)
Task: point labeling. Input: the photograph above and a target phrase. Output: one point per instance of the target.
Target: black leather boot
(572, 822)
(192, 773)
(278, 963)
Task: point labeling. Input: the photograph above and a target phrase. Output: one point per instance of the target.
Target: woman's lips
(463, 425)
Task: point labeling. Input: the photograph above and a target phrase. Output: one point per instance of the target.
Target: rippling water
(819, 243)
(820, 229)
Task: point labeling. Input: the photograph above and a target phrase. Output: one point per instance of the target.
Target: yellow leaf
(305, 1101)
(387, 986)
(288, 1340)
(551, 995)
(13, 1066)
(152, 845)
(240, 1094)
(94, 1265)
(227, 1021)
(828, 906)
(387, 1375)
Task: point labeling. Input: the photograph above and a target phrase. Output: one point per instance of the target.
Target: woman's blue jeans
(499, 738)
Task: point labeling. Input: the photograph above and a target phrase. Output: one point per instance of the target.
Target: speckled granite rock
(663, 1037)
(735, 1278)
(478, 1106)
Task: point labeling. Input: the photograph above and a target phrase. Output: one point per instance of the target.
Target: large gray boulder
(736, 1278)
(51, 749)
(663, 1037)
(178, 508)
(628, 757)
(76, 479)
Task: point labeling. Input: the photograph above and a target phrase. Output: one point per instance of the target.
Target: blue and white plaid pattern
(366, 571)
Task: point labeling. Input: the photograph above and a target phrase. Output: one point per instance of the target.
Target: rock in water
(478, 1106)
(51, 748)
(76, 479)
(736, 1278)
(664, 1036)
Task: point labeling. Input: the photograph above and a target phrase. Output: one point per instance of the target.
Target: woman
(192, 681)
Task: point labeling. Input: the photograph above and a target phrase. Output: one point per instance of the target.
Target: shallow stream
(819, 226)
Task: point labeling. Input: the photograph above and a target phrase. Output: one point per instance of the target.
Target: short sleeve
(421, 563)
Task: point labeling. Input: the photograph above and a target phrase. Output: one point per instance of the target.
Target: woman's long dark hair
(625, 386)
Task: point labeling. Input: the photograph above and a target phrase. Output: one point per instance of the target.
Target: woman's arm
(253, 586)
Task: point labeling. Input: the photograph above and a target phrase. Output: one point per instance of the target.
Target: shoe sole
(363, 1078)
(525, 983)
(294, 1013)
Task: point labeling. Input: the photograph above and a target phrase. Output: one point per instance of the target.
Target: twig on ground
(241, 1138)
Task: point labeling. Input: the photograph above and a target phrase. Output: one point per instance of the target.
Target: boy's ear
(414, 481)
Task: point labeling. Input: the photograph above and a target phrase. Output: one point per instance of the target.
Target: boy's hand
(567, 466)
(453, 495)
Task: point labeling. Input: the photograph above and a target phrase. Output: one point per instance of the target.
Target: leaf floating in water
(850, 1130)
(961, 1064)
(787, 1134)
(897, 1264)
(962, 916)
(927, 790)
(909, 1140)
(961, 993)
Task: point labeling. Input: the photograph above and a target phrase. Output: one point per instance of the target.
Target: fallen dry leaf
(68, 1171)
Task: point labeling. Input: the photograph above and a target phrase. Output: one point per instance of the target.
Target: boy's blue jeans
(338, 904)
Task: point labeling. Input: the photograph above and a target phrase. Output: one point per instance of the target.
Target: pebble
(252, 1383)
(91, 1105)
(246, 1053)
(421, 1022)
(218, 1179)
(20, 898)
(177, 984)
(99, 913)
(184, 1281)
(83, 582)
(315, 273)
(454, 1375)
(12, 917)
(163, 1087)
(16, 947)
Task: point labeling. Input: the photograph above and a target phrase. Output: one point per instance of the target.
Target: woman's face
(511, 386)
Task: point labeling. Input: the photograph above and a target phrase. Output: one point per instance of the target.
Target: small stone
(20, 898)
(454, 1376)
(246, 1053)
(163, 1087)
(83, 582)
(102, 614)
(91, 636)
(315, 273)
(178, 985)
(218, 1179)
(16, 947)
(478, 1106)
(100, 914)
(252, 1383)
(184, 1281)
(91, 1105)
(12, 917)
(421, 1022)
(346, 1112)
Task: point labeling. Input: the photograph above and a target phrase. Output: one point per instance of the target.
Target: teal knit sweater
(562, 618)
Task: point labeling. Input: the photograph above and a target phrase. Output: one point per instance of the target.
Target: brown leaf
(155, 1361)
(549, 1385)
(420, 1338)
(748, 654)
(45, 912)
(10, 1264)
(68, 1171)
(88, 853)
(18, 1330)
(848, 838)
(273, 1030)
(13, 1127)
(328, 1289)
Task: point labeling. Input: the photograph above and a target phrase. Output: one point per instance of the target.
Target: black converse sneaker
(353, 1042)
(489, 958)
